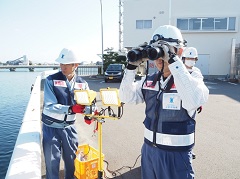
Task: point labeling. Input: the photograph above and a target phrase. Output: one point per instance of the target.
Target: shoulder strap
(169, 84)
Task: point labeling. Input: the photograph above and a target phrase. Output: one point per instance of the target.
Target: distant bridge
(82, 69)
(29, 66)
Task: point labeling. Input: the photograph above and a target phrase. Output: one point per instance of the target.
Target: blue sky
(40, 29)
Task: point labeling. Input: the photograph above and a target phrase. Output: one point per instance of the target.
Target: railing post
(99, 70)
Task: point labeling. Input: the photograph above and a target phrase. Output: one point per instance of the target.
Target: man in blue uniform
(172, 96)
(59, 113)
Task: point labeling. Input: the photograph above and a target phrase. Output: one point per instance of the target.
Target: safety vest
(64, 96)
(167, 124)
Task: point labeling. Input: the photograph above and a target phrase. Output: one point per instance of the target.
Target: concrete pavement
(217, 135)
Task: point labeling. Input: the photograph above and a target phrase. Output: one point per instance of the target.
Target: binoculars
(147, 51)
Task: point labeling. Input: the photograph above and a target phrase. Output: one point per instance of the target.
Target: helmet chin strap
(162, 66)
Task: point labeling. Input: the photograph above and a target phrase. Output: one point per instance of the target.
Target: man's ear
(179, 52)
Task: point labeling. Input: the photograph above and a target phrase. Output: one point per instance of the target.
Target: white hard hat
(67, 56)
(170, 34)
(190, 52)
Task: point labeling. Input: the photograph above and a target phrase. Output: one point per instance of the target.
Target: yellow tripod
(109, 97)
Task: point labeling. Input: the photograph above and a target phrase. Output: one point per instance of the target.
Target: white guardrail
(26, 157)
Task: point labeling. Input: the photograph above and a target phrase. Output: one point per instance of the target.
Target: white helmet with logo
(67, 56)
(190, 52)
(169, 34)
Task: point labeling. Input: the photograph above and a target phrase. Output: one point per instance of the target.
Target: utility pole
(120, 26)
(170, 12)
(102, 35)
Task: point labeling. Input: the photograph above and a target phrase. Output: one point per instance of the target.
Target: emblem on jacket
(171, 101)
(59, 83)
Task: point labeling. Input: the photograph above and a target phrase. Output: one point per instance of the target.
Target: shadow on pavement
(132, 174)
(218, 87)
(61, 175)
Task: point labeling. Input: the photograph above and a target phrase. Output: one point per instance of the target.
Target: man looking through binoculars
(172, 96)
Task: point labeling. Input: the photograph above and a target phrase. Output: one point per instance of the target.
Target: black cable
(109, 109)
(114, 173)
(121, 109)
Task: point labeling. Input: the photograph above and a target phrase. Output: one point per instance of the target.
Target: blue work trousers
(59, 142)
(162, 164)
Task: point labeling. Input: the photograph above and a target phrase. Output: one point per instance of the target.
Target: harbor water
(15, 92)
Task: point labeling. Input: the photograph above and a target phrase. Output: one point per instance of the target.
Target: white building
(209, 25)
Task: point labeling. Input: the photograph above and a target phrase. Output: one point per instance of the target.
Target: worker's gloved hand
(168, 52)
(136, 63)
(141, 49)
(88, 120)
(77, 108)
(199, 109)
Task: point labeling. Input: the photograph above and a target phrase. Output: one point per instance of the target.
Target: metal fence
(237, 62)
(84, 70)
(237, 65)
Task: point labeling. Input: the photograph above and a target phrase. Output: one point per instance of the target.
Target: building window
(231, 23)
(207, 24)
(143, 24)
(220, 23)
(182, 24)
(194, 24)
